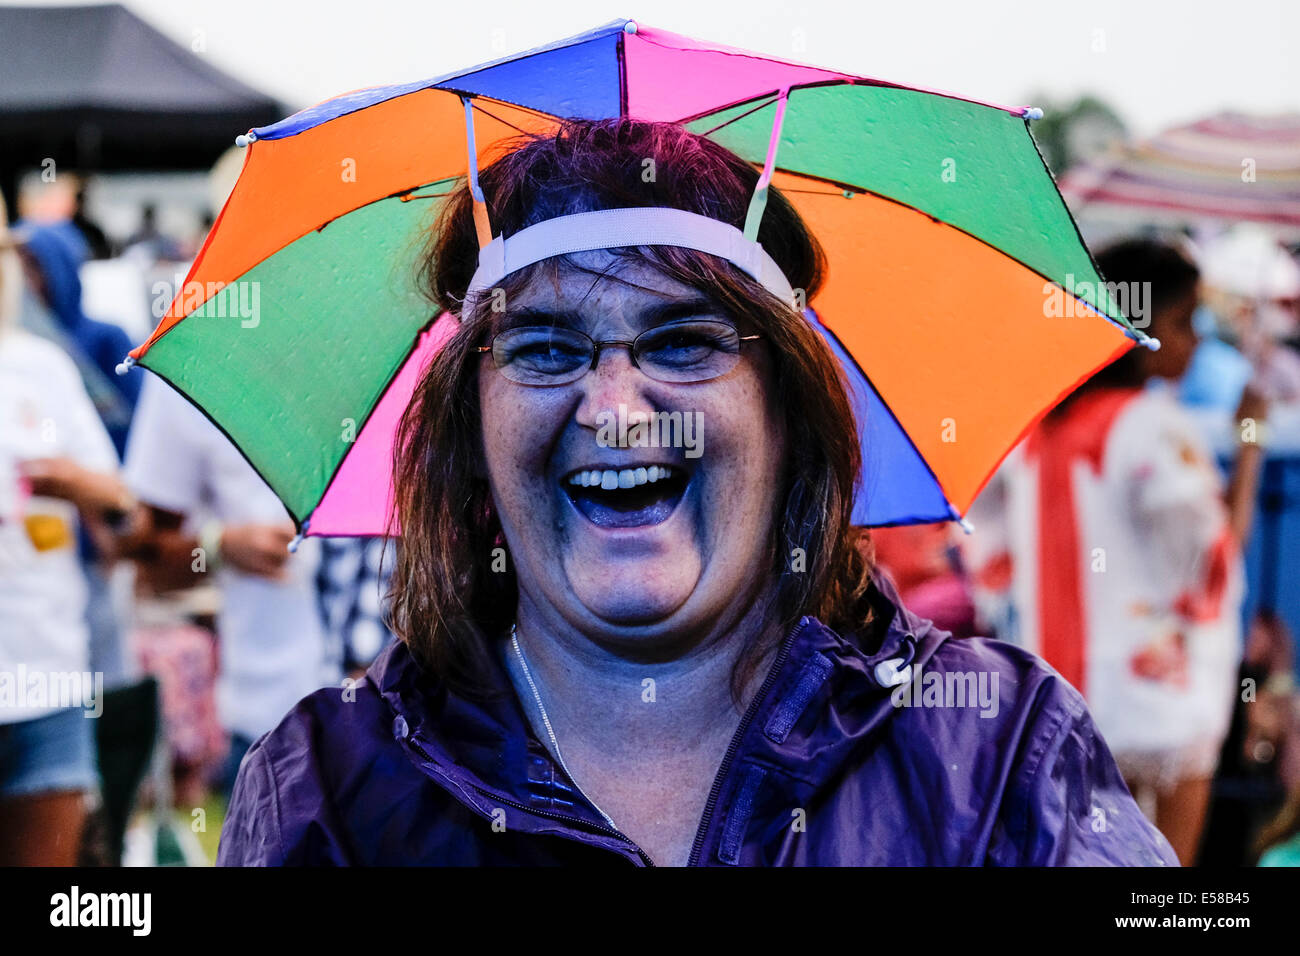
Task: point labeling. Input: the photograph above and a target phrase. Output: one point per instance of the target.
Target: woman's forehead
(616, 292)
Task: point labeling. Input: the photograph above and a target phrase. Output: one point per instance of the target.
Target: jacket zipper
(736, 738)
(544, 813)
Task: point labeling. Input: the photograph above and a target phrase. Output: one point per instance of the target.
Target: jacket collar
(486, 752)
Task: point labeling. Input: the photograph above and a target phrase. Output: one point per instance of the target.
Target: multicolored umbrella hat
(960, 298)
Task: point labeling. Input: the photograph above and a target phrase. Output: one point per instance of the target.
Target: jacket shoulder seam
(1046, 742)
(260, 755)
(275, 809)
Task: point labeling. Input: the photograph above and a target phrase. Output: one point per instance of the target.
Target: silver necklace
(546, 721)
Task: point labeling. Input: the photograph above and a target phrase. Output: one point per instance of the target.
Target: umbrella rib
(741, 116)
(404, 195)
(810, 192)
(475, 105)
(374, 406)
(884, 403)
(299, 523)
(1120, 321)
(407, 197)
(620, 55)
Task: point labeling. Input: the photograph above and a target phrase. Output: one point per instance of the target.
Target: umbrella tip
(297, 538)
(243, 139)
(125, 365)
(629, 27)
(1149, 342)
(1032, 113)
(963, 523)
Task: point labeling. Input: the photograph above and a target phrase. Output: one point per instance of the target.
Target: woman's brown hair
(450, 594)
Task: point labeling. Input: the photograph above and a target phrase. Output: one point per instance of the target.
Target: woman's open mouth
(626, 497)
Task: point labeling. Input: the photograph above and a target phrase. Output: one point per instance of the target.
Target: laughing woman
(621, 652)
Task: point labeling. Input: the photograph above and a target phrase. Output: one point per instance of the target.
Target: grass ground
(200, 832)
(214, 809)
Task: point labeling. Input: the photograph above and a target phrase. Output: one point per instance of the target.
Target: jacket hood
(97, 347)
(59, 251)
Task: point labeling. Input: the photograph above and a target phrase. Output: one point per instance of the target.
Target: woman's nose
(614, 382)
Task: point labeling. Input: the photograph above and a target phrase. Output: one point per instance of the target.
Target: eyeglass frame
(597, 346)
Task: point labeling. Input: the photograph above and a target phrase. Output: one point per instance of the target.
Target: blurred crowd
(138, 547)
(145, 573)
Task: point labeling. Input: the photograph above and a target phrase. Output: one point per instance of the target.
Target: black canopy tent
(96, 88)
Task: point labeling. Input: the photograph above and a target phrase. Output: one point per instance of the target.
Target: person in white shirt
(1108, 544)
(210, 512)
(57, 468)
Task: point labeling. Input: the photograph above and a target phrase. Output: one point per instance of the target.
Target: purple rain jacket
(833, 764)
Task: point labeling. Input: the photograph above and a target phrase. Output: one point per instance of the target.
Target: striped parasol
(1229, 167)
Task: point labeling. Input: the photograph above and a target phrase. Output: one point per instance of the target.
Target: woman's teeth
(607, 479)
(627, 497)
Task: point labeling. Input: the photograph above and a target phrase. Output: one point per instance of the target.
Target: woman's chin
(632, 596)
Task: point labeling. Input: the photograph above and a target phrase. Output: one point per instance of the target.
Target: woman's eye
(530, 350)
(685, 340)
(544, 352)
(684, 345)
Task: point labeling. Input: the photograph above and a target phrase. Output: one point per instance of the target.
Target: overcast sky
(1158, 62)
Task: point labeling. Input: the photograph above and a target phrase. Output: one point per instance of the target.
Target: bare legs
(1180, 813)
(43, 829)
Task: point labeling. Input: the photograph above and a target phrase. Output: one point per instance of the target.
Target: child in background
(1120, 562)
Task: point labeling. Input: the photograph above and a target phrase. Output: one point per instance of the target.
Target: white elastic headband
(635, 226)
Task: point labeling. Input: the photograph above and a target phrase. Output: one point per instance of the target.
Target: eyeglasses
(679, 352)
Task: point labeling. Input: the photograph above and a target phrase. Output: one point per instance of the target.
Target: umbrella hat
(959, 297)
